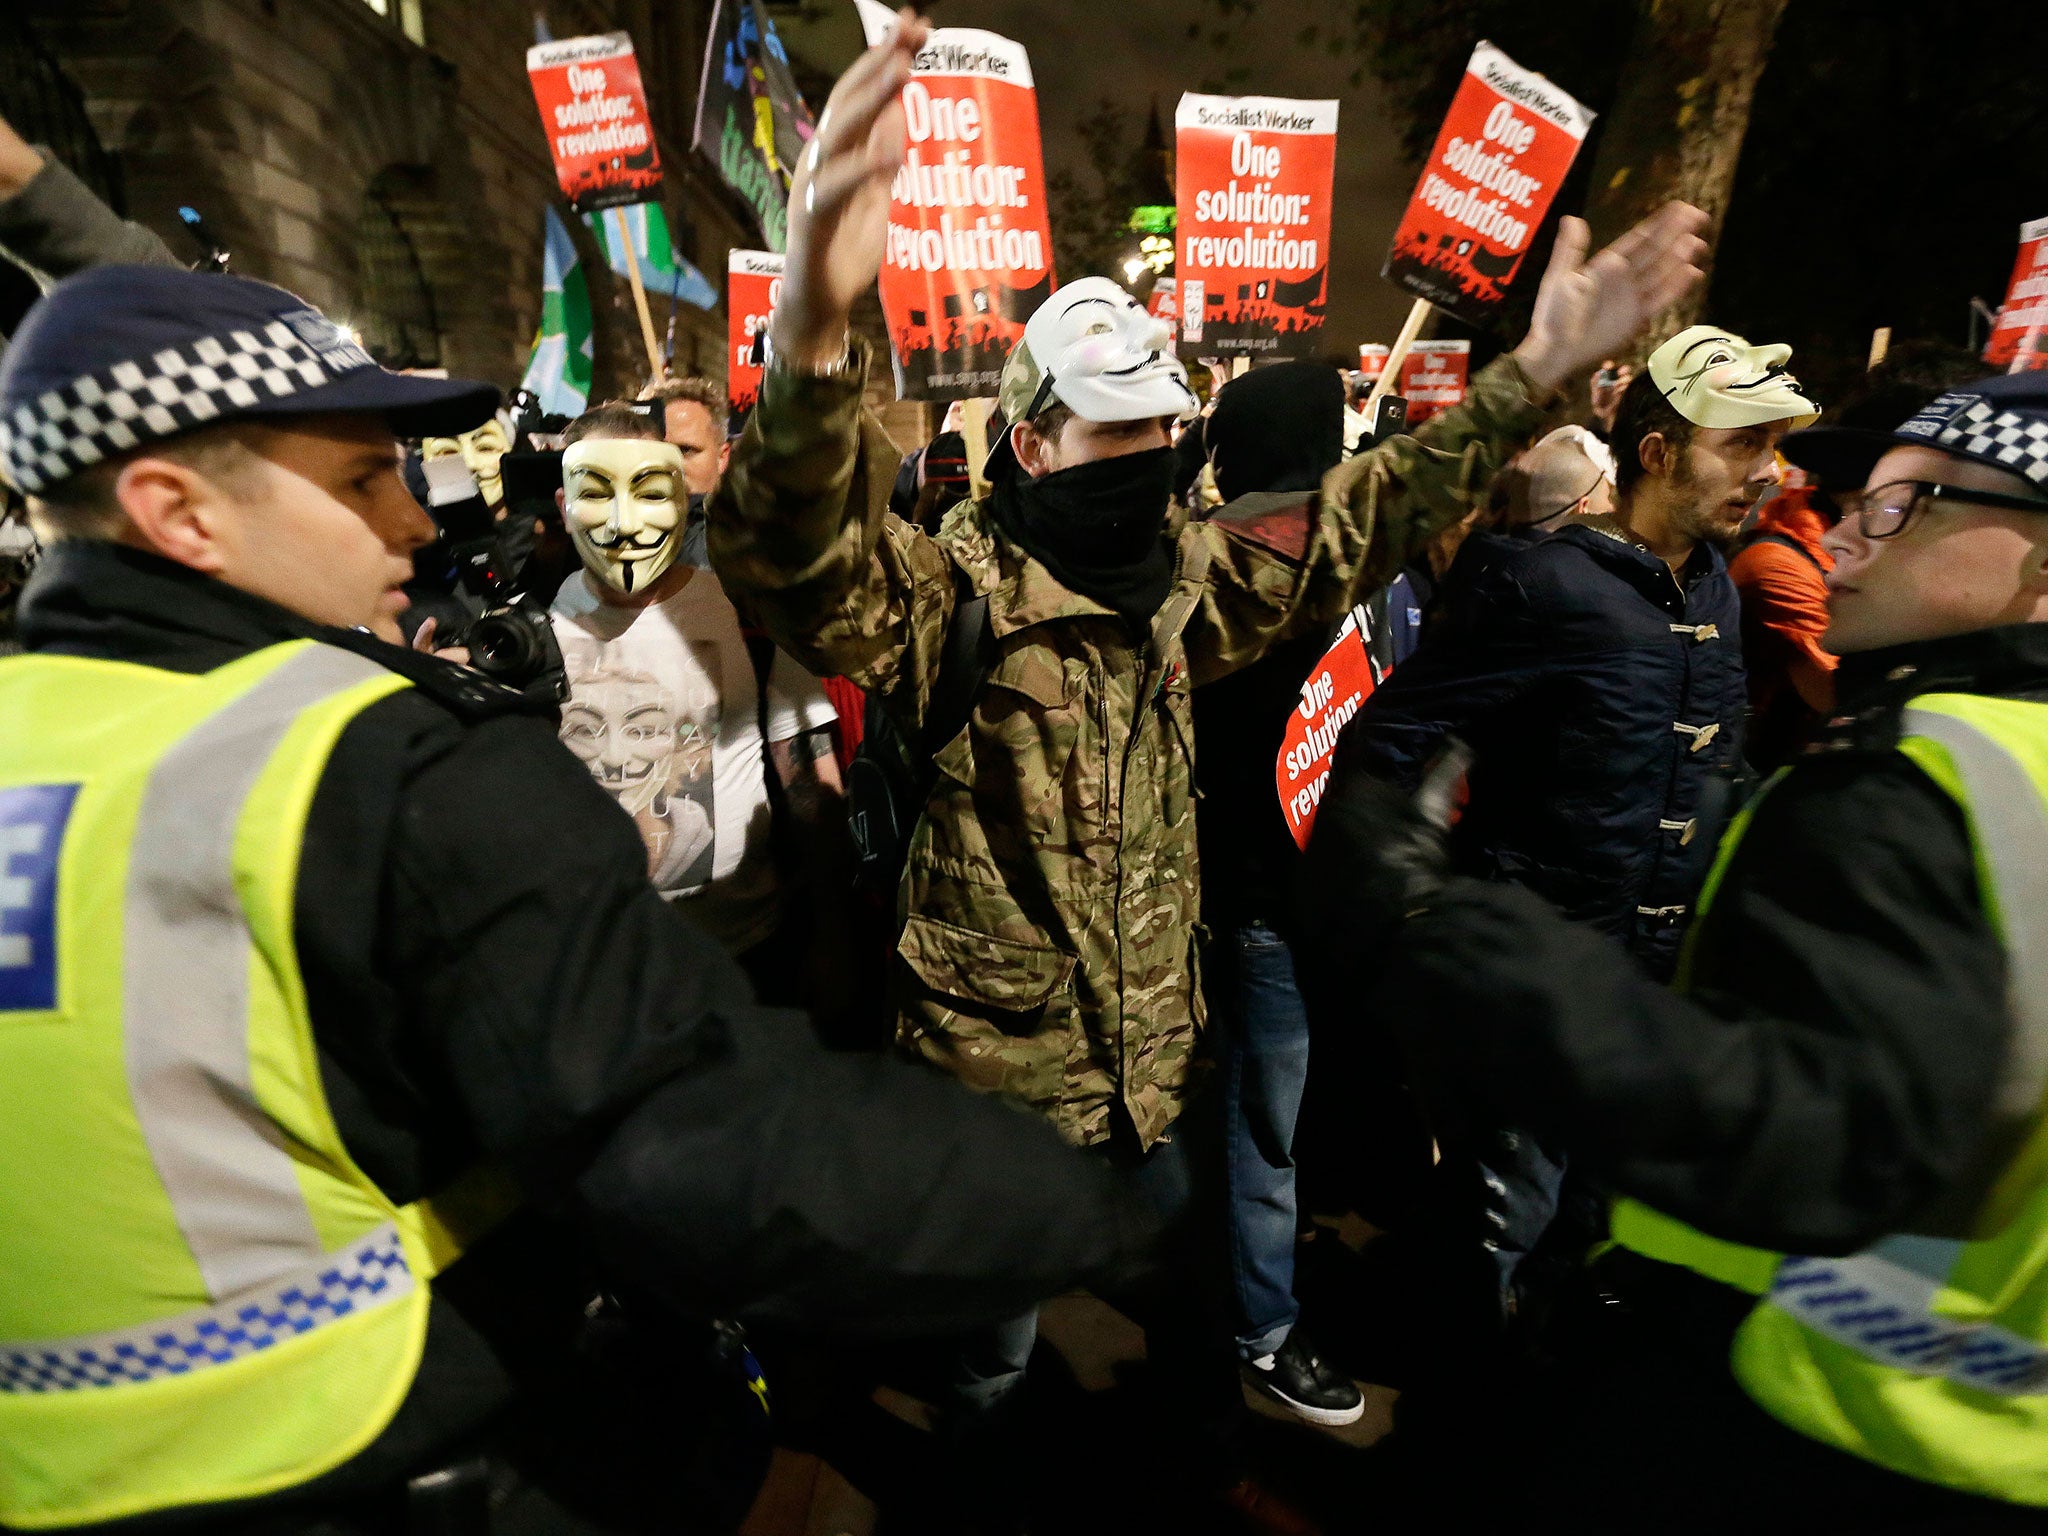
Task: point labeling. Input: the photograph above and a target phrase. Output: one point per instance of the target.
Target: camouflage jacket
(1050, 947)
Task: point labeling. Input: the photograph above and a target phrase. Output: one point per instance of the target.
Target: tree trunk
(1678, 121)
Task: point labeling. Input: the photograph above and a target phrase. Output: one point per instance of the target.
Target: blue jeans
(1180, 1306)
(1268, 1068)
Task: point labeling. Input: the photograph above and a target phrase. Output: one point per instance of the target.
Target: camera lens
(504, 646)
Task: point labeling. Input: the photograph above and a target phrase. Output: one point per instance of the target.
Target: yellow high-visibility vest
(1927, 1354)
(202, 1297)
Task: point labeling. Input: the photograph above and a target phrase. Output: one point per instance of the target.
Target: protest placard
(590, 100)
(2020, 339)
(1164, 304)
(753, 282)
(1337, 689)
(1506, 143)
(1433, 378)
(1253, 186)
(1372, 360)
(969, 252)
(751, 119)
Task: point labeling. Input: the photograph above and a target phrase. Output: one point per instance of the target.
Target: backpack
(892, 775)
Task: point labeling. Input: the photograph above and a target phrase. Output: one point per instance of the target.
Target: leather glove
(1378, 855)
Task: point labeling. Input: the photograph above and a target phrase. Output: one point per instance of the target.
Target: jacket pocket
(1019, 748)
(994, 1012)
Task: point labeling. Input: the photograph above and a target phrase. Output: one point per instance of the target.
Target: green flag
(662, 271)
(564, 354)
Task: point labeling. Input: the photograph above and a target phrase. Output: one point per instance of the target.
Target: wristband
(842, 368)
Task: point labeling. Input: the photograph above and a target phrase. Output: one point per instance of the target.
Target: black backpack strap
(965, 661)
(1794, 545)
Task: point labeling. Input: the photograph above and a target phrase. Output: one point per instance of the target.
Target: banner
(1433, 378)
(753, 282)
(751, 119)
(2020, 339)
(662, 272)
(564, 356)
(588, 92)
(1253, 183)
(970, 249)
(1372, 360)
(1337, 689)
(1507, 141)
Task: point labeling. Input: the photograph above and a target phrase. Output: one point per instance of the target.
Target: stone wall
(305, 131)
(302, 128)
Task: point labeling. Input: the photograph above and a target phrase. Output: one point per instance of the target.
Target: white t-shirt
(663, 710)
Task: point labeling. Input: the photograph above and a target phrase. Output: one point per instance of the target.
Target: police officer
(1834, 1247)
(323, 964)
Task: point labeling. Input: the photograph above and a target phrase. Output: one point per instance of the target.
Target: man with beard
(1597, 674)
(1048, 949)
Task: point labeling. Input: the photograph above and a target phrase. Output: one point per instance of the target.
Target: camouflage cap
(1096, 350)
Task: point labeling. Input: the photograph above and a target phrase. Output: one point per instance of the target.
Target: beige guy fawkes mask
(625, 505)
(480, 451)
(1713, 378)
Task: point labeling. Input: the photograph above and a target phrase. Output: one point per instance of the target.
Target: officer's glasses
(1884, 511)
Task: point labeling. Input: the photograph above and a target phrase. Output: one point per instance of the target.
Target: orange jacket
(1784, 614)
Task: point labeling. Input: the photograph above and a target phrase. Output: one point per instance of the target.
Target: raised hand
(839, 201)
(1587, 310)
(1609, 385)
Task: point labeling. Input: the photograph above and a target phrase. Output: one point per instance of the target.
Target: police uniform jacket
(490, 977)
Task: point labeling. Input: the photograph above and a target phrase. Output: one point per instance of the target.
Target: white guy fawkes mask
(625, 505)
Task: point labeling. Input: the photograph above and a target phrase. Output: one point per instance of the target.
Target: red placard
(1337, 689)
(590, 100)
(969, 255)
(2020, 339)
(1433, 378)
(753, 282)
(1253, 192)
(1372, 360)
(1165, 301)
(1506, 143)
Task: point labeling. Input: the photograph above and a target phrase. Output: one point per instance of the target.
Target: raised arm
(51, 223)
(1377, 510)
(800, 530)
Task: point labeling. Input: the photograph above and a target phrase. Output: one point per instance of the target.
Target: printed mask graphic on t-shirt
(624, 502)
(649, 746)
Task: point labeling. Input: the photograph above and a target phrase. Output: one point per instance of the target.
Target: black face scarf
(1099, 528)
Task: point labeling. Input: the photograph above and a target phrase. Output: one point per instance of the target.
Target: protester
(694, 418)
(1049, 949)
(665, 705)
(1596, 672)
(1597, 677)
(1277, 431)
(1851, 1067)
(1781, 570)
(330, 955)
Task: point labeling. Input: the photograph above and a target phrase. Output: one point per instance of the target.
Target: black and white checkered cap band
(2007, 438)
(115, 409)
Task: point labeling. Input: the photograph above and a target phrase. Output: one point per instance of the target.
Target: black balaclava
(1099, 528)
(1278, 428)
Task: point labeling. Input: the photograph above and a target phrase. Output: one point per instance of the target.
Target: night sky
(1135, 51)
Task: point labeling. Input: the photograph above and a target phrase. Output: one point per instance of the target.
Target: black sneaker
(1296, 1377)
